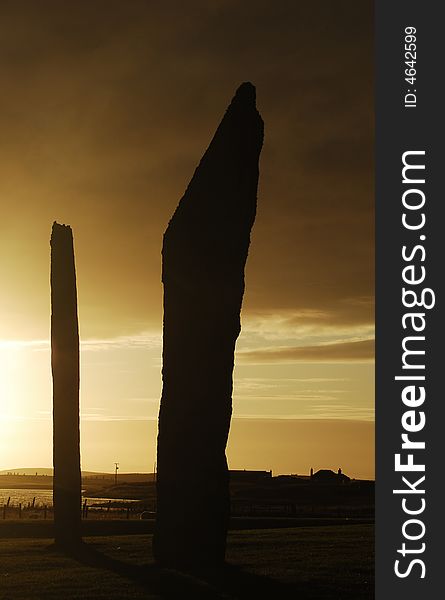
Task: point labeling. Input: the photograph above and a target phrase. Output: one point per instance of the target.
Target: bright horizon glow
(120, 394)
(102, 128)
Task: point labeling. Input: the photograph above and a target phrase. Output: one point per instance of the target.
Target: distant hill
(27, 471)
(45, 471)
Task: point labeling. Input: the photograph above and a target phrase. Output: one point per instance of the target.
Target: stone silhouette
(203, 258)
(65, 371)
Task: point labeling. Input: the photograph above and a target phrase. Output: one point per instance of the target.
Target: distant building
(326, 476)
(245, 476)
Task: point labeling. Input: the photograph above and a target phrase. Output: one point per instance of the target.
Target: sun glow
(24, 378)
(10, 364)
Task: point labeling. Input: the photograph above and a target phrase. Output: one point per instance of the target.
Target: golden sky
(106, 109)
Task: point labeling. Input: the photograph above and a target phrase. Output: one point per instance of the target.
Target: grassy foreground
(313, 563)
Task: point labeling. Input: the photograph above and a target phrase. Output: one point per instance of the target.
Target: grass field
(304, 563)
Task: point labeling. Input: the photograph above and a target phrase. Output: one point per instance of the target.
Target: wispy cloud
(141, 340)
(358, 351)
(90, 416)
(335, 412)
(24, 344)
(308, 322)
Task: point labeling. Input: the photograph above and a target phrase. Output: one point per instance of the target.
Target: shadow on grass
(229, 582)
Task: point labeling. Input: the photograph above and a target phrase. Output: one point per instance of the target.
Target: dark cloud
(107, 107)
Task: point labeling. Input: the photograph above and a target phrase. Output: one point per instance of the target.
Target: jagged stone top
(57, 225)
(60, 230)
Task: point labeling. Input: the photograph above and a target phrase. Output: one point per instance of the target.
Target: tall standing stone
(204, 253)
(65, 370)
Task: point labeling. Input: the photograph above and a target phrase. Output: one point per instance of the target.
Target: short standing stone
(65, 370)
